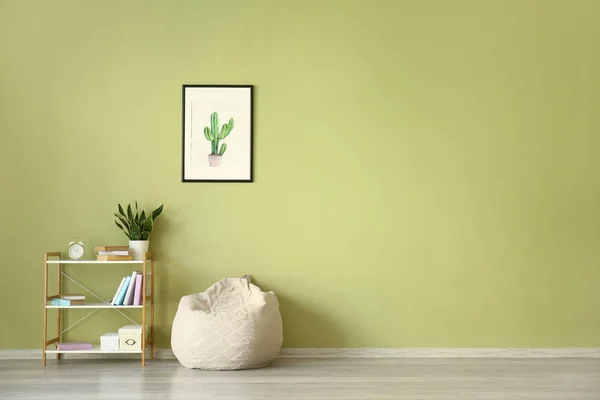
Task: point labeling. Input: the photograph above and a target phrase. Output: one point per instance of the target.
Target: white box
(109, 341)
(130, 338)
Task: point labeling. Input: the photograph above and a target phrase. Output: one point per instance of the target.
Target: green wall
(426, 172)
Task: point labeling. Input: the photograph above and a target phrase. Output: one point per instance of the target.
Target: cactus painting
(209, 131)
(214, 135)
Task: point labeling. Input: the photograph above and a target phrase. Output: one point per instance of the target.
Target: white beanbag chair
(233, 325)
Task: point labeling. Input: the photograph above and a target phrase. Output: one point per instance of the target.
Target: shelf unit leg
(144, 289)
(152, 309)
(58, 310)
(45, 310)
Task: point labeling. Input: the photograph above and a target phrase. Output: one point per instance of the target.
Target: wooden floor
(301, 379)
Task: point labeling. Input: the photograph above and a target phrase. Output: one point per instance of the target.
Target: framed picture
(217, 133)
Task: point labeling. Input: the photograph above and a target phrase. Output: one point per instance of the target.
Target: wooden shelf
(94, 350)
(93, 305)
(94, 262)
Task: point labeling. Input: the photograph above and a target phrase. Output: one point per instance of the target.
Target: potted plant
(214, 136)
(137, 227)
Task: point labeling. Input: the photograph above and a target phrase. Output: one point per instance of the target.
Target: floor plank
(307, 379)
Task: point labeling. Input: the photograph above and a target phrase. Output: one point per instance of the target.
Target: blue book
(123, 291)
(60, 302)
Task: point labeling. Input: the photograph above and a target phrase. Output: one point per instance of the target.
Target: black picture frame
(196, 101)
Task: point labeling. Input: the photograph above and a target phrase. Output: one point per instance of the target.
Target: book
(74, 346)
(111, 248)
(72, 296)
(114, 300)
(137, 296)
(114, 258)
(63, 302)
(114, 253)
(129, 295)
(123, 291)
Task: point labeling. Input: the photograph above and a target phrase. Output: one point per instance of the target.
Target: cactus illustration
(214, 135)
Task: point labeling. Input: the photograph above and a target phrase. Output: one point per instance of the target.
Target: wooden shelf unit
(147, 264)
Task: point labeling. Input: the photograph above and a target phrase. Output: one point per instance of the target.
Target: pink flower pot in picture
(214, 160)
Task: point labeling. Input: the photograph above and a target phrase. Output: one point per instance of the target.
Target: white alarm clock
(76, 250)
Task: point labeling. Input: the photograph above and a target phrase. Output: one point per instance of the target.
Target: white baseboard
(20, 354)
(440, 352)
(410, 352)
(162, 354)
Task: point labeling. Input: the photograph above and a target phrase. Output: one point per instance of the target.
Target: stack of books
(68, 300)
(129, 292)
(113, 253)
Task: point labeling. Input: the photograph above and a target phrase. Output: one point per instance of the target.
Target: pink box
(74, 346)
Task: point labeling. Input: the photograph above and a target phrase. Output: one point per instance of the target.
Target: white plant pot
(214, 160)
(138, 248)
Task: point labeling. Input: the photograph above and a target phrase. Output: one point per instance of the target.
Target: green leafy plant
(214, 135)
(137, 226)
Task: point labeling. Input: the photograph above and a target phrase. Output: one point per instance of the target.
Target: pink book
(74, 346)
(137, 296)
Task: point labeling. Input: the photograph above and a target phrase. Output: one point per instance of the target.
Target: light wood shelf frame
(148, 270)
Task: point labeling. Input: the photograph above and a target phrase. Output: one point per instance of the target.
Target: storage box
(109, 341)
(130, 338)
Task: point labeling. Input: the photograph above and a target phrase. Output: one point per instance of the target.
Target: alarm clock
(76, 250)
